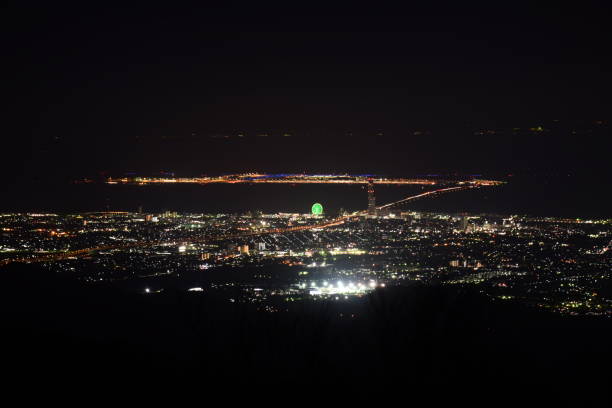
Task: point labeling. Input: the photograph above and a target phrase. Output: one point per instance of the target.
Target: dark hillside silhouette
(417, 334)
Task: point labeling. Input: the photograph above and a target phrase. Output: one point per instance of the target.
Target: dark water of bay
(566, 197)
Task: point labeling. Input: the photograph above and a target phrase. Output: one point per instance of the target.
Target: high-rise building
(463, 223)
(371, 198)
(244, 249)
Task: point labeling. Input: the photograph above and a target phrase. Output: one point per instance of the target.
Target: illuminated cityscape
(317, 210)
(555, 264)
(212, 196)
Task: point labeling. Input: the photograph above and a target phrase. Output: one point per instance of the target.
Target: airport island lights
(257, 178)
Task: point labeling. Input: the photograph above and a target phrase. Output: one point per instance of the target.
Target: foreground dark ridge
(415, 334)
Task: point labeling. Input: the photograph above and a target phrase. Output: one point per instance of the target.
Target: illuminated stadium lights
(348, 251)
(341, 288)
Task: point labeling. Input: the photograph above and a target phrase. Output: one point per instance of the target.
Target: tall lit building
(371, 198)
(463, 223)
(406, 216)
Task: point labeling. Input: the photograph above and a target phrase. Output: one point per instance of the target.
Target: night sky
(360, 89)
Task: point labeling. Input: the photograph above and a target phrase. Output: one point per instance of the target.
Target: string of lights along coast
(257, 178)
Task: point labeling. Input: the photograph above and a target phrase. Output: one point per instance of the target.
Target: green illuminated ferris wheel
(317, 209)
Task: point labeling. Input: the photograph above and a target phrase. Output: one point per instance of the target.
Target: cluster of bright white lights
(341, 288)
